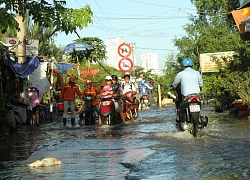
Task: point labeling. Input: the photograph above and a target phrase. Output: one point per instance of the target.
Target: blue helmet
(143, 81)
(187, 62)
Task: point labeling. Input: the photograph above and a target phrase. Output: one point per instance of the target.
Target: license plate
(194, 108)
(88, 97)
(145, 100)
(106, 103)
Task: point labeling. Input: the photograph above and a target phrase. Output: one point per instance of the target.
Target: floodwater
(148, 148)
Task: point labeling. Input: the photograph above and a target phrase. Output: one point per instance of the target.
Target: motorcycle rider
(186, 82)
(105, 90)
(93, 91)
(127, 86)
(68, 96)
(143, 89)
(117, 91)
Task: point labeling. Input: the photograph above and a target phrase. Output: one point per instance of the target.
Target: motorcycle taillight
(193, 98)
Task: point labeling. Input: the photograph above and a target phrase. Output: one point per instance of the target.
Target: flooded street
(149, 148)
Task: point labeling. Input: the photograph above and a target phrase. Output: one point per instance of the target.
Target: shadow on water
(149, 148)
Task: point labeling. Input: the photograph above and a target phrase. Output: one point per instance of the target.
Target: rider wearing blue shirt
(190, 79)
(143, 88)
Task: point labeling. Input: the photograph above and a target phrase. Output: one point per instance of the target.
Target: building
(112, 54)
(150, 62)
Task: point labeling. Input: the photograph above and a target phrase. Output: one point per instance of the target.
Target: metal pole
(51, 89)
(1, 88)
(159, 96)
(133, 60)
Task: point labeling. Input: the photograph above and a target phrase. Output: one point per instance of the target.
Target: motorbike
(144, 101)
(130, 105)
(188, 113)
(109, 115)
(17, 116)
(88, 113)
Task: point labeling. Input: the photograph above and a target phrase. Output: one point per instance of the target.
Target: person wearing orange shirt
(92, 91)
(68, 93)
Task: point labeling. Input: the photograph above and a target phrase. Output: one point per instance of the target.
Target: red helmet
(89, 81)
(72, 79)
(102, 84)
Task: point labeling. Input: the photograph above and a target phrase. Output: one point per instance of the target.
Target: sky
(150, 25)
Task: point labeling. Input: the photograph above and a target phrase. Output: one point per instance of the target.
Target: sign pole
(51, 89)
(133, 59)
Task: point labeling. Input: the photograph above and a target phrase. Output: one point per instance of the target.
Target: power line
(159, 5)
(106, 18)
(94, 21)
(140, 18)
(158, 49)
(81, 6)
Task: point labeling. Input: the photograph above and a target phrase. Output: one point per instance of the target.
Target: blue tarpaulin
(64, 67)
(24, 69)
(77, 46)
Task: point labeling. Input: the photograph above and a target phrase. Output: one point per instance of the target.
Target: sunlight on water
(149, 148)
(175, 134)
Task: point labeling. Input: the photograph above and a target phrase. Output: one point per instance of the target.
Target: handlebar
(169, 86)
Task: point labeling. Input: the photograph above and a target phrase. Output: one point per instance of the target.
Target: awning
(89, 71)
(25, 69)
(62, 67)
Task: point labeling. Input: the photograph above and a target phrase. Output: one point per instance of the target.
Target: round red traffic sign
(124, 50)
(126, 65)
(12, 41)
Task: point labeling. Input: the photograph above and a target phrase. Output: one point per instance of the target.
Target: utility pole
(21, 48)
(133, 59)
(52, 61)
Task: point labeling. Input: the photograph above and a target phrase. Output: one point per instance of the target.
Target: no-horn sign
(125, 65)
(124, 50)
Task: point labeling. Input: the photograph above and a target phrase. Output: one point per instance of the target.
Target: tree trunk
(21, 39)
(21, 53)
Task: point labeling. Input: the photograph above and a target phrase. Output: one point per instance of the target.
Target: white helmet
(108, 78)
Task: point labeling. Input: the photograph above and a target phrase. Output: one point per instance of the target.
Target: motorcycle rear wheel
(133, 114)
(107, 120)
(195, 121)
(89, 118)
(18, 120)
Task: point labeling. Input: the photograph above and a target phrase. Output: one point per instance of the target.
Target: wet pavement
(148, 148)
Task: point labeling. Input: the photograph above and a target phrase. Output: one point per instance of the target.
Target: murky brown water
(149, 148)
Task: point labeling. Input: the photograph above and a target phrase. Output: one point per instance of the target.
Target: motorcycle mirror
(169, 86)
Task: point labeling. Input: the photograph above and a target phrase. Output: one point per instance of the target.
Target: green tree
(45, 15)
(212, 29)
(98, 54)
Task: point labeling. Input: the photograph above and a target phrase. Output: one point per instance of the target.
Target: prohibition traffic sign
(124, 50)
(125, 65)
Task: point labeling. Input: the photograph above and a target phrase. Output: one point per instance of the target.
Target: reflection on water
(149, 148)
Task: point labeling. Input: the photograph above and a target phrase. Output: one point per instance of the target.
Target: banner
(239, 16)
(31, 45)
(206, 60)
